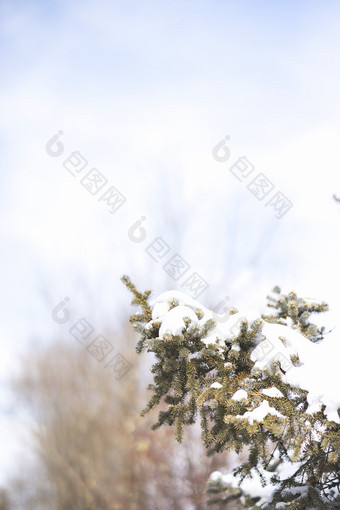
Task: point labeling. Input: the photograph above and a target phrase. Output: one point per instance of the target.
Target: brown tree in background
(93, 450)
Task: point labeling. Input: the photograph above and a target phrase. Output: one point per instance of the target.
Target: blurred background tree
(93, 450)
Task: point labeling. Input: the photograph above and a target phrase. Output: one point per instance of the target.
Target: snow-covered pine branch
(264, 385)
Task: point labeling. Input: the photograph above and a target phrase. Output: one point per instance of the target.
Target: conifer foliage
(234, 374)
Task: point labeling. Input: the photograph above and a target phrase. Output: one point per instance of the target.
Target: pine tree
(232, 373)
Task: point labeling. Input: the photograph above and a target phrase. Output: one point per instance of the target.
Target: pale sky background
(145, 90)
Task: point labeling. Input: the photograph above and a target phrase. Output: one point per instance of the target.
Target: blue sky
(145, 90)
